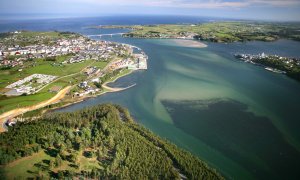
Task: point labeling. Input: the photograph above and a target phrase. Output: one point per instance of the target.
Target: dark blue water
(79, 24)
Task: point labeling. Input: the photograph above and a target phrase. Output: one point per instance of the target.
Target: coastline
(11, 114)
(115, 79)
(17, 112)
(94, 96)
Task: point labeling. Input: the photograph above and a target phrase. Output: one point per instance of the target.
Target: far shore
(188, 43)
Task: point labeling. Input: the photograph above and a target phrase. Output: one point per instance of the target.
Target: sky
(276, 10)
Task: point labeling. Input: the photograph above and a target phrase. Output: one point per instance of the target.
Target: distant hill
(230, 31)
(98, 142)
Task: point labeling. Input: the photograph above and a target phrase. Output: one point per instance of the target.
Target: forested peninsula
(98, 142)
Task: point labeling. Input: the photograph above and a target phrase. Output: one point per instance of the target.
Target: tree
(60, 175)
(99, 154)
(69, 144)
(58, 161)
(51, 164)
(73, 157)
(98, 85)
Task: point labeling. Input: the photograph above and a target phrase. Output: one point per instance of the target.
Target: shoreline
(92, 96)
(11, 114)
(17, 112)
(105, 85)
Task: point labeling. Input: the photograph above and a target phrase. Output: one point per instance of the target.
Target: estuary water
(240, 118)
(237, 117)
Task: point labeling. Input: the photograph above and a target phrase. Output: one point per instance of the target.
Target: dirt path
(16, 112)
(56, 98)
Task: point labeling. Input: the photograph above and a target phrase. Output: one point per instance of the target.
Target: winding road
(16, 112)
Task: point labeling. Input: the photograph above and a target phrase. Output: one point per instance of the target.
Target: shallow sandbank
(188, 43)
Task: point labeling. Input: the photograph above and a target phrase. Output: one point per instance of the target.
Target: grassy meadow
(40, 66)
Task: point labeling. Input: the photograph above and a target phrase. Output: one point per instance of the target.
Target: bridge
(100, 35)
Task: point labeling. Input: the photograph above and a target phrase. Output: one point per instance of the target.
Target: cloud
(195, 4)
(201, 4)
(277, 2)
(259, 9)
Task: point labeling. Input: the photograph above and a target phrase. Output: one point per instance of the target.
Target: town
(274, 63)
(81, 48)
(46, 62)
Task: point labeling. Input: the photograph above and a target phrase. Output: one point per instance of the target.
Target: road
(16, 112)
(60, 95)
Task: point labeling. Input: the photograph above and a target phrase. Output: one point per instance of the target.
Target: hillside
(98, 142)
(216, 31)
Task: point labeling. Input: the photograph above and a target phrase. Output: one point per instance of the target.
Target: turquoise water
(239, 118)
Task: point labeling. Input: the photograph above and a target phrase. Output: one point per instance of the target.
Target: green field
(9, 103)
(123, 72)
(35, 165)
(42, 67)
(217, 31)
(68, 74)
(26, 167)
(100, 64)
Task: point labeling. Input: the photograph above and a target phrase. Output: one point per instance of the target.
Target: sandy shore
(188, 43)
(111, 89)
(116, 89)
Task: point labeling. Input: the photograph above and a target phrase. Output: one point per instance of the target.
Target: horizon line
(47, 16)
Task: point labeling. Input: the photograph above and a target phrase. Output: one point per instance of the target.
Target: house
(96, 80)
(83, 84)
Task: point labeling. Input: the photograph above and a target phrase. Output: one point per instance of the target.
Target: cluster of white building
(97, 50)
(92, 71)
(249, 58)
(139, 62)
(87, 89)
(121, 64)
(29, 85)
(83, 49)
(62, 46)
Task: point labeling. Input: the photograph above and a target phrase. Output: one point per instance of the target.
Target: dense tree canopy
(105, 135)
